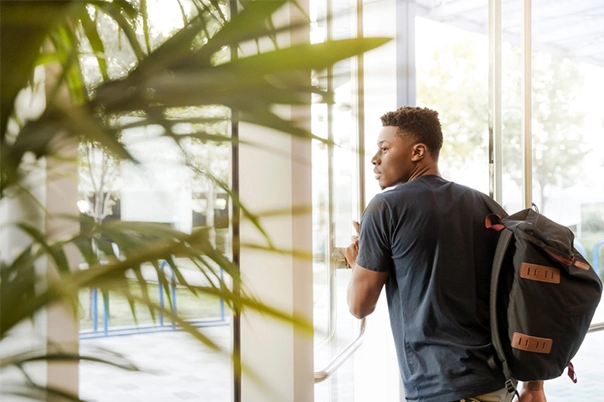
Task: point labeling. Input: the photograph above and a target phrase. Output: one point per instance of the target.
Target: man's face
(393, 161)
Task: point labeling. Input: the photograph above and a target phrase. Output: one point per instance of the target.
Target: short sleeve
(374, 243)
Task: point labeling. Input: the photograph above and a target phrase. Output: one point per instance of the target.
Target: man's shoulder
(438, 183)
(459, 188)
(424, 188)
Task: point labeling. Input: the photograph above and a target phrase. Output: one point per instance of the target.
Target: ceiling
(570, 28)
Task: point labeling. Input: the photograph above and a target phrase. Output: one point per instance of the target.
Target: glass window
(175, 186)
(567, 123)
(452, 78)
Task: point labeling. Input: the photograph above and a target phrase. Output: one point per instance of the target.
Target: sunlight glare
(165, 15)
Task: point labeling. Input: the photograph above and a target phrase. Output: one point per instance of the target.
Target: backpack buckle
(510, 385)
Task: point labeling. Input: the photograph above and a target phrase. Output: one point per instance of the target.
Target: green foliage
(191, 68)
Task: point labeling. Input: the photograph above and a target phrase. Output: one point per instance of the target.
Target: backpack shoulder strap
(505, 237)
(493, 206)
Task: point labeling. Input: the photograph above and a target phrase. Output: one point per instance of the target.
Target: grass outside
(189, 306)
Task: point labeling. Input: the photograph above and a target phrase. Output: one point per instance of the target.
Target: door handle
(338, 255)
(342, 357)
(339, 262)
(598, 326)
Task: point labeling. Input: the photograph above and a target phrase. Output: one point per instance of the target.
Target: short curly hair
(420, 123)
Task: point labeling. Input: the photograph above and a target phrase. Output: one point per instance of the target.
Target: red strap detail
(493, 221)
(571, 372)
(560, 258)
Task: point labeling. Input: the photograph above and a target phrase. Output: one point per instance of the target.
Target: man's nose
(375, 159)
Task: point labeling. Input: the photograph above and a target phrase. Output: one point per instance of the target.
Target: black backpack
(543, 296)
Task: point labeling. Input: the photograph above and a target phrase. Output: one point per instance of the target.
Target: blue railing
(173, 293)
(596, 256)
(580, 248)
(135, 329)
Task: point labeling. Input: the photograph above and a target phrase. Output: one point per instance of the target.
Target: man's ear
(419, 151)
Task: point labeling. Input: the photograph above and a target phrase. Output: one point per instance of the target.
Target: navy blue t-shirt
(430, 235)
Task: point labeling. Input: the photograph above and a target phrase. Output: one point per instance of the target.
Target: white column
(60, 321)
(277, 353)
(275, 175)
(50, 190)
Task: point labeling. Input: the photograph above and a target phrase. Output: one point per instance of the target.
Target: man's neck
(429, 169)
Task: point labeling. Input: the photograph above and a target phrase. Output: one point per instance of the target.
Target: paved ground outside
(178, 368)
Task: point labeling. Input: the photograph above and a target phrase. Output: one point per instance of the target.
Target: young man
(425, 239)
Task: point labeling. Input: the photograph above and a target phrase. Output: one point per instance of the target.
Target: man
(425, 239)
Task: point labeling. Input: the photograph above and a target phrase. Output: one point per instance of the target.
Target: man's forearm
(532, 391)
(536, 385)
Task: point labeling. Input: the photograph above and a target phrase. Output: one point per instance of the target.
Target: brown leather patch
(539, 273)
(581, 265)
(531, 343)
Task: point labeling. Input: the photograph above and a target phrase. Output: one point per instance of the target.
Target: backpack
(543, 296)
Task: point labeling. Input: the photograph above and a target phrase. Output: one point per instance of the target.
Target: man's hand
(532, 391)
(352, 251)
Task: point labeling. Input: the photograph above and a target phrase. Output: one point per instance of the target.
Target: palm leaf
(56, 253)
(64, 40)
(31, 28)
(34, 390)
(124, 14)
(96, 43)
(182, 71)
(242, 27)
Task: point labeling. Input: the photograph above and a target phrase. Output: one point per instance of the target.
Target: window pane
(568, 124)
(452, 78)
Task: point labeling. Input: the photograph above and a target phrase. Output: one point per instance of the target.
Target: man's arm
(364, 290)
(365, 285)
(532, 391)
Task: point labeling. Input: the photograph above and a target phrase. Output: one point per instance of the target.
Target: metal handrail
(599, 326)
(342, 357)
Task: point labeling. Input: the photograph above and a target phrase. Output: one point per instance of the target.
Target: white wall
(158, 188)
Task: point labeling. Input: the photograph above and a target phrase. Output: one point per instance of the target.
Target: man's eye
(383, 149)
